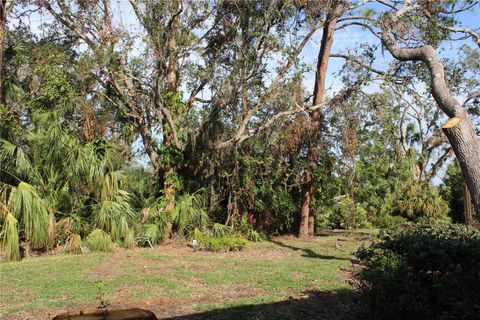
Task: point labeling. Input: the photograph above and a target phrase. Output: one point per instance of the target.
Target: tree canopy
(126, 121)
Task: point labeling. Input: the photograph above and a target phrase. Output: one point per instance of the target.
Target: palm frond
(111, 183)
(10, 240)
(32, 212)
(109, 213)
(151, 234)
(129, 240)
(221, 230)
(99, 240)
(13, 159)
(188, 215)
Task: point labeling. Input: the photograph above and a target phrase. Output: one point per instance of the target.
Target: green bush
(223, 244)
(99, 240)
(344, 214)
(422, 273)
(389, 222)
(246, 229)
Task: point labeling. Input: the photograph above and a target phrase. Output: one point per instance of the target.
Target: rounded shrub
(223, 244)
(422, 273)
(99, 240)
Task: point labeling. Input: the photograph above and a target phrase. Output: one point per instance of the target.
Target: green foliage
(420, 202)
(31, 211)
(74, 244)
(99, 240)
(113, 216)
(389, 222)
(221, 230)
(189, 213)
(150, 234)
(14, 160)
(344, 214)
(10, 238)
(129, 240)
(223, 244)
(452, 192)
(262, 184)
(245, 228)
(253, 235)
(170, 156)
(72, 125)
(422, 273)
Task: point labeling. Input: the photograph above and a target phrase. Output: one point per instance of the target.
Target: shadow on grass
(331, 305)
(309, 253)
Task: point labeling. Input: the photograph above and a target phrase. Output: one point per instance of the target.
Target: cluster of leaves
(344, 214)
(422, 273)
(223, 244)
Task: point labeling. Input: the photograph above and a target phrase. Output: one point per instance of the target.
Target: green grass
(270, 271)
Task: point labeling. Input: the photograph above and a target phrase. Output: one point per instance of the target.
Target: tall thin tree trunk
(309, 188)
(3, 27)
(172, 87)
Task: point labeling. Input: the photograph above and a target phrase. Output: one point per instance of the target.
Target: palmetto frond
(32, 212)
(150, 233)
(10, 240)
(111, 184)
(189, 214)
(13, 160)
(220, 230)
(110, 214)
(99, 240)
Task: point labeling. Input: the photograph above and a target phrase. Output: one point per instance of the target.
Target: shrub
(129, 241)
(422, 273)
(344, 214)
(150, 234)
(221, 230)
(99, 240)
(244, 227)
(74, 244)
(389, 222)
(223, 244)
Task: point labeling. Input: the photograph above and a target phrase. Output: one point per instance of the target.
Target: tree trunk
(172, 87)
(467, 205)
(309, 188)
(148, 143)
(462, 135)
(459, 130)
(3, 27)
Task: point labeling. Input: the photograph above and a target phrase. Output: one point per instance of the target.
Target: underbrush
(422, 273)
(223, 244)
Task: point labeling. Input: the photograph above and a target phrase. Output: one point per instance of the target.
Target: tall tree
(459, 129)
(3, 27)
(313, 154)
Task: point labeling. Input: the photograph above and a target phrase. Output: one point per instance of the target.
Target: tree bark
(3, 27)
(459, 130)
(466, 145)
(168, 137)
(467, 205)
(172, 87)
(309, 188)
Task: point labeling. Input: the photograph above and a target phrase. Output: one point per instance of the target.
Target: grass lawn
(284, 278)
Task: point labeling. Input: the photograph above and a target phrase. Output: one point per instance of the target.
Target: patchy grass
(173, 281)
